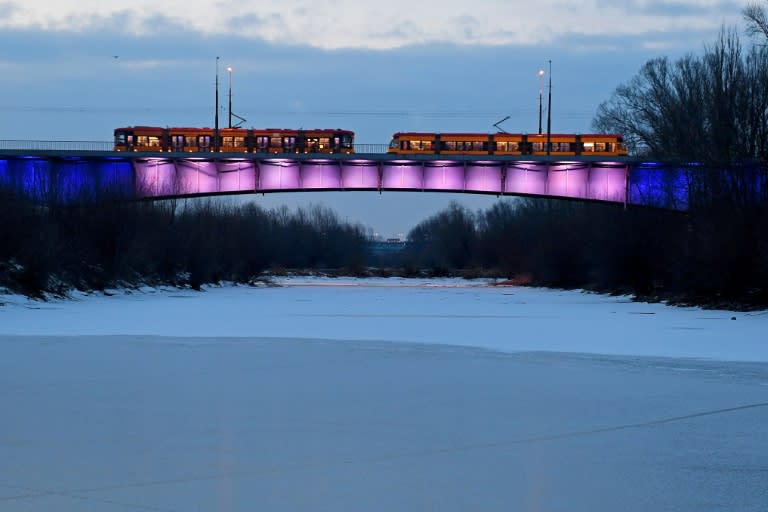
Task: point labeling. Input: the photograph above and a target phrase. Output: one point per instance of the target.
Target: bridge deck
(70, 173)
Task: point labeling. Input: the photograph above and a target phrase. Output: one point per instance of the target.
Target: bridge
(71, 170)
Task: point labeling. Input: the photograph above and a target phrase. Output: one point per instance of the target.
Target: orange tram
(410, 143)
(233, 140)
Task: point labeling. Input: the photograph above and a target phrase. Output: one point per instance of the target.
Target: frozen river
(380, 395)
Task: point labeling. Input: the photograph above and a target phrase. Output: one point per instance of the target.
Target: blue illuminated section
(68, 180)
(88, 180)
(658, 185)
(677, 186)
(115, 177)
(74, 181)
(5, 174)
(30, 176)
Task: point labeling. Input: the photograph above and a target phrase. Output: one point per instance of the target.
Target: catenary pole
(549, 112)
(216, 117)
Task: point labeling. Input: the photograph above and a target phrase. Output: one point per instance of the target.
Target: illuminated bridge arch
(70, 174)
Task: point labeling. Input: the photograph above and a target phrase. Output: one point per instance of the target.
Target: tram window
(589, 147)
(204, 141)
(394, 144)
(600, 146)
(190, 141)
(147, 141)
(262, 142)
(276, 142)
(537, 147)
(289, 143)
(502, 146)
(324, 142)
(233, 142)
(479, 146)
(336, 142)
(449, 145)
(346, 141)
(177, 141)
(562, 147)
(120, 139)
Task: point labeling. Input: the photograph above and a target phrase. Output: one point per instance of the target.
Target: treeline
(710, 108)
(652, 253)
(95, 245)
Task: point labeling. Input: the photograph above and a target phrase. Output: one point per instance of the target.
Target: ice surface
(311, 397)
(442, 311)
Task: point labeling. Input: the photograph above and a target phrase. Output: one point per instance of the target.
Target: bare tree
(756, 17)
(709, 109)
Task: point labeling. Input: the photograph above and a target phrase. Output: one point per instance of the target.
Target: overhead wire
(441, 114)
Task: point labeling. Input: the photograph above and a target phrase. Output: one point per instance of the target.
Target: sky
(75, 70)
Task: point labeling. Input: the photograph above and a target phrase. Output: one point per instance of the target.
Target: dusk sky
(75, 70)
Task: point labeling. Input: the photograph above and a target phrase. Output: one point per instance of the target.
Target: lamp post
(229, 72)
(549, 112)
(541, 76)
(216, 118)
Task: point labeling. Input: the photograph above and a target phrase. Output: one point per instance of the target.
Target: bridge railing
(371, 148)
(57, 145)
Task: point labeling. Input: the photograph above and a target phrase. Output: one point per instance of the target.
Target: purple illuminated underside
(168, 178)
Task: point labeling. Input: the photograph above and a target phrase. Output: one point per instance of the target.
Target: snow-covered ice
(441, 311)
(380, 395)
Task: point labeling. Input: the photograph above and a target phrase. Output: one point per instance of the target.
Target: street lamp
(216, 117)
(549, 112)
(541, 76)
(229, 72)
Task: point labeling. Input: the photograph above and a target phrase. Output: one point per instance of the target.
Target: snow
(379, 394)
(470, 313)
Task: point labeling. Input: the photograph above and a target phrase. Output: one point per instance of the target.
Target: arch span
(63, 174)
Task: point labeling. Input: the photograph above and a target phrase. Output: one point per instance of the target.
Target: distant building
(388, 246)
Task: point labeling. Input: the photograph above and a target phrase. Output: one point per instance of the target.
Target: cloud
(397, 23)
(253, 22)
(678, 8)
(7, 10)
